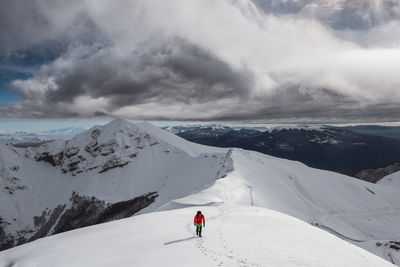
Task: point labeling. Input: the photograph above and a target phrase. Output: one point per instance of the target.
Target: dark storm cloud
(177, 70)
(48, 26)
(204, 60)
(167, 73)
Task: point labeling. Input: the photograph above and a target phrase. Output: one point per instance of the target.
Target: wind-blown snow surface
(236, 189)
(391, 180)
(234, 236)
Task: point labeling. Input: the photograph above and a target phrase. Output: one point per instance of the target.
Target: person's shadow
(179, 240)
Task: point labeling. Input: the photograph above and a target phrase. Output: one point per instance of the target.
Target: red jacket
(199, 219)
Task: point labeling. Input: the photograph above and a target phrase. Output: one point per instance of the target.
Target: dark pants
(198, 229)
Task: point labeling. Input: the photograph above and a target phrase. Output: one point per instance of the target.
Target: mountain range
(260, 209)
(29, 137)
(323, 147)
(385, 131)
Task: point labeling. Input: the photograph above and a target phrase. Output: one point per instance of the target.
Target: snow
(319, 128)
(319, 197)
(189, 147)
(23, 137)
(19, 137)
(260, 209)
(164, 163)
(392, 180)
(234, 236)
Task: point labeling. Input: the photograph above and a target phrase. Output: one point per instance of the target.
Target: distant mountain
(18, 137)
(209, 129)
(258, 128)
(385, 131)
(64, 133)
(25, 137)
(375, 175)
(334, 149)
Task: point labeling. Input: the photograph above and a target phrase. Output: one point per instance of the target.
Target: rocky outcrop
(44, 226)
(112, 163)
(6, 241)
(374, 175)
(391, 249)
(127, 208)
(83, 211)
(53, 159)
(13, 184)
(86, 211)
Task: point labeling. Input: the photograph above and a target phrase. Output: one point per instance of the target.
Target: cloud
(202, 60)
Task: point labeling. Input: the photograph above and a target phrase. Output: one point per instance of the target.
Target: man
(198, 219)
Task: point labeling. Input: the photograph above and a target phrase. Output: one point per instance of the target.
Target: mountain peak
(118, 122)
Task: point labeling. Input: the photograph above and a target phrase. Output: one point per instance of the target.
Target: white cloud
(211, 59)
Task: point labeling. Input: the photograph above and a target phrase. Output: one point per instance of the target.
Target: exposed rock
(90, 148)
(374, 175)
(106, 149)
(45, 227)
(112, 163)
(127, 208)
(73, 165)
(14, 168)
(6, 241)
(54, 160)
(393, 245)
(71, 152)
(86, 211)
(2, 236)
(83, 212)
(13, 184)
(38, 221)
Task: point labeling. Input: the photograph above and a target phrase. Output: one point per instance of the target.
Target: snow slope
(186, 175)
(392, 180)
(359, 212)
(234, 236)
(113, 163)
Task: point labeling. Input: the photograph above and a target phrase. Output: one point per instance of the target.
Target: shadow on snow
(180, 240)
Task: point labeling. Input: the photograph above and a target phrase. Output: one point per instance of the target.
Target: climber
(198, 220)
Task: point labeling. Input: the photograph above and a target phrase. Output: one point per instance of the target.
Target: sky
(237, 61)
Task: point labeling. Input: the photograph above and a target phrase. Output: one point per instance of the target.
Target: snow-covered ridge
(42, 188)
(234, 236)
(170, 174)
(392, 180)
(218, 127)
(198, 127)
(298, 127)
